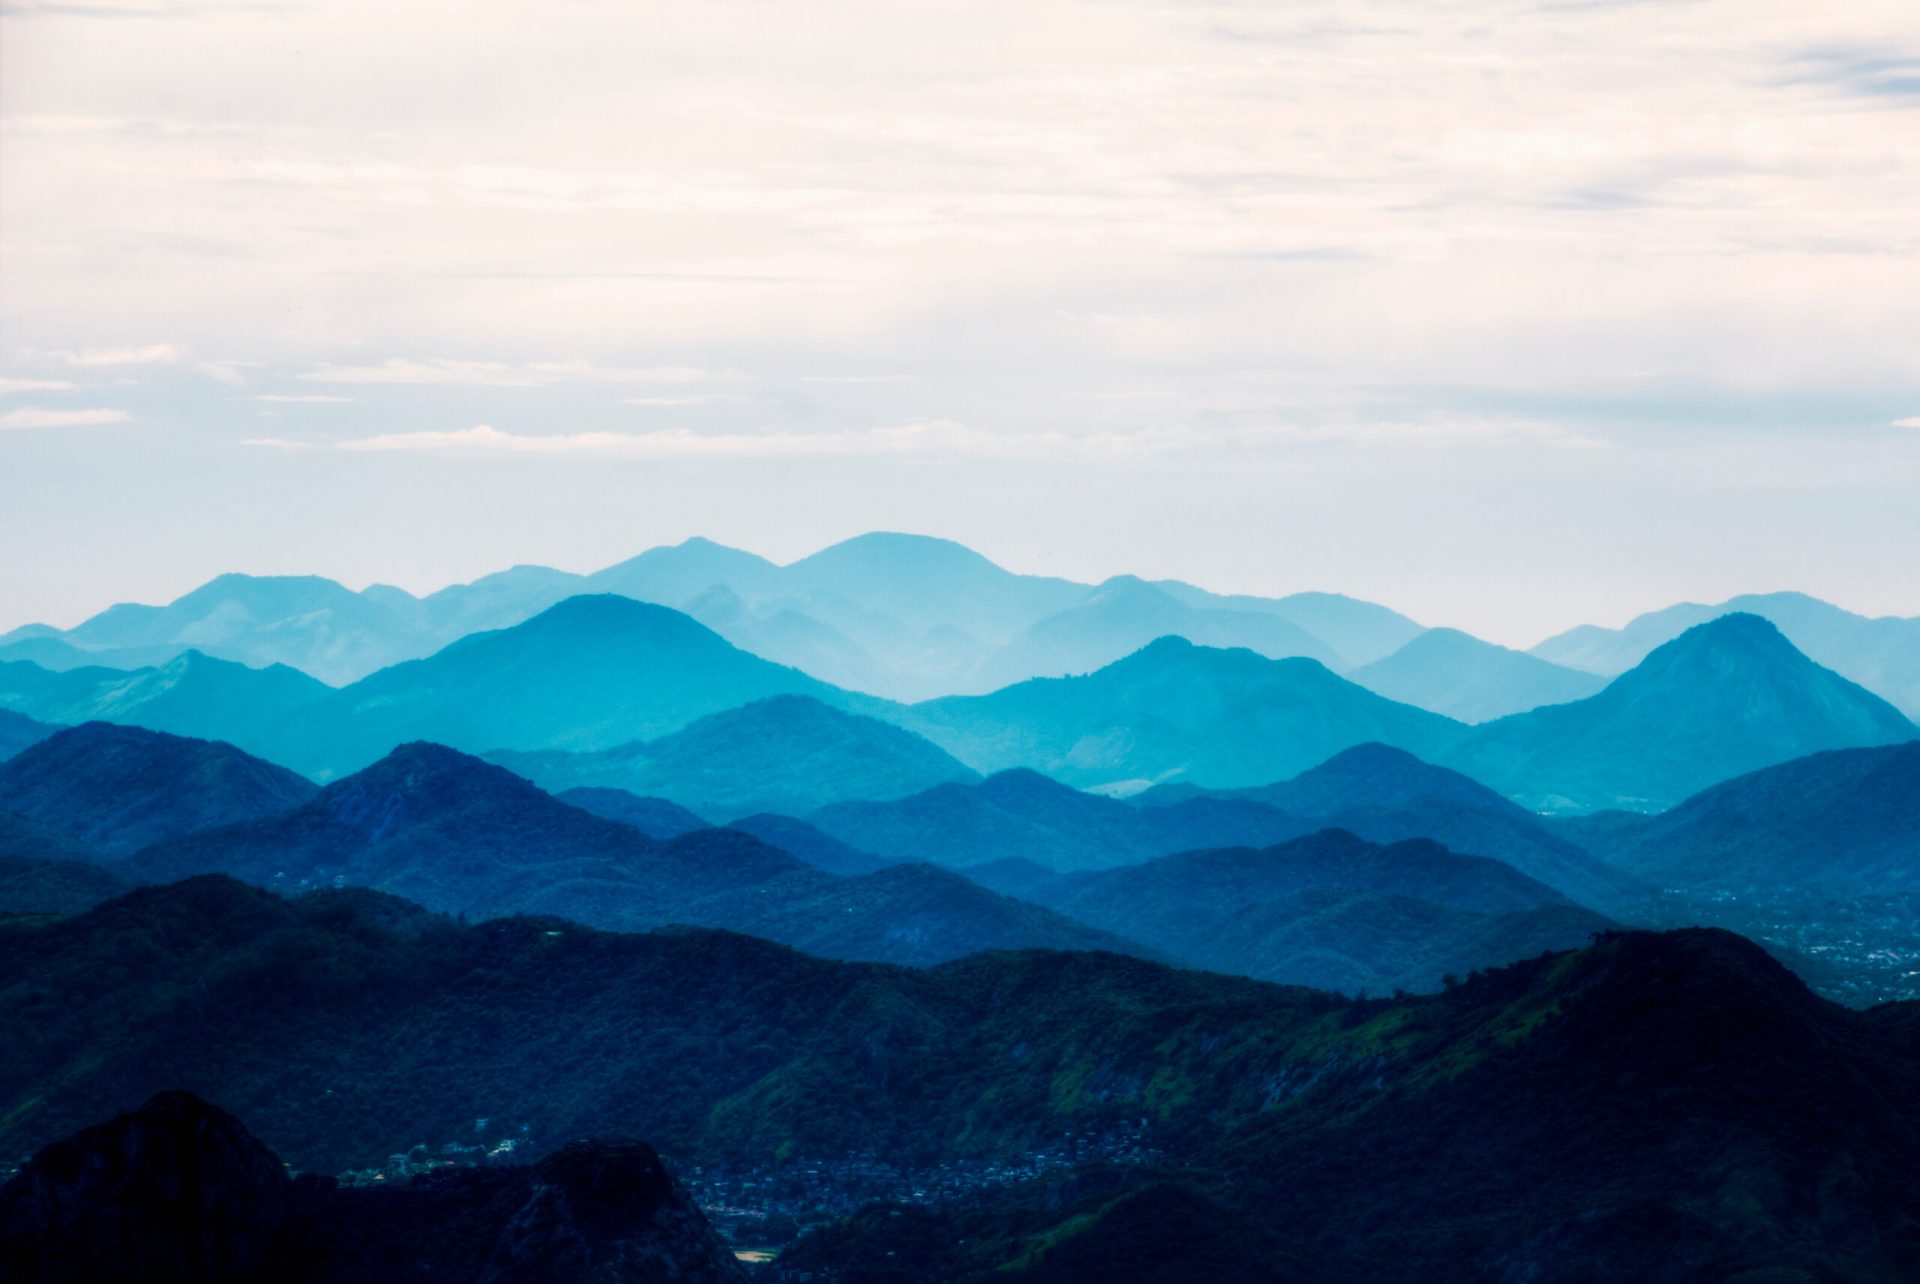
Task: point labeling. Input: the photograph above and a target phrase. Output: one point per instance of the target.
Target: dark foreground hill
(18, 732)
(179, 1192)
(1655, 1107)
(121, 788)
(463, 836)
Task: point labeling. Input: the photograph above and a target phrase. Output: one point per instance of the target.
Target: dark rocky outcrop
(179, 1192)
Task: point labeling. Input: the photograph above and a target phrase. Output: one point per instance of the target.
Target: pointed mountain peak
(1023, 784)
(421, 779)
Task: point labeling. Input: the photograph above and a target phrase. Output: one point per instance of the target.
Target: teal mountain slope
(787, 754)
(1843, 822)
(1725, 698)
(1175, 711)
(1451, 672)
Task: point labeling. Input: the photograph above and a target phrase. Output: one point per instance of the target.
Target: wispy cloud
(35, 385)
(150, 354)
(227, 372)
(298, 399)
(39, 417)
(857, 378)
(690, 399)
(948, 437)
(501, 374)
(1874, 71)
(1913, 422)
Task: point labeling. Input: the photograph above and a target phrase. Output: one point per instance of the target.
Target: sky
(1509, 315)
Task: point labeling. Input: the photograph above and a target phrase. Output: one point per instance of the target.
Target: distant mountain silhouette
(1844, 822)
(192, 694)
(900, 616)
(1359, 632)
(1124, 614)
(1454, 673)
(179, 1192)
(786, 754)
(1387, 795)
(122, 788)
(1176, 711)
(1020, 814)
(1726, 697)
(654, 817)
(463, 836)
(18, 732)
(1881, 654)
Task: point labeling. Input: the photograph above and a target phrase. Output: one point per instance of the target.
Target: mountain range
(1624, 1102)
(1329, 910)
(1843, 822)
(787, 754)
(462, 836)
(121, 788)
(1881, 653)
(1173, 710)
(1724, 698)
(1450, 672)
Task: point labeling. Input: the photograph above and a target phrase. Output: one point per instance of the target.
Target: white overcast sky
(1509, 315)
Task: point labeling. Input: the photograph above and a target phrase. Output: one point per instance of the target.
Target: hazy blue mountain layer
(1175, 711)
(1457, 674)
(1882, 654)
(1724, 698)
(1387, 795)
(786, 754)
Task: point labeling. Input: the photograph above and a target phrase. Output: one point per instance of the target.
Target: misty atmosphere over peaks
(1008, 643)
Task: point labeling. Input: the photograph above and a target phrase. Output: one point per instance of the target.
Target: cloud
(151, 354)
(311, 399)
(857, 378)
(37, 417)
(35, 385)
(1914, 422)
(227, 372)
(501, 374)
(1868, 71)
(690, 399)
(948, 437)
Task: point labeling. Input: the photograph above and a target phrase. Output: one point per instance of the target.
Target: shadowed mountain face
(787, 754)
(1176, 711)
(1022, 814)
(51, 887)
(18, 732)
(179, 1192)
(1386, 795)
(463, 836)
(1450, 672)
(1882, 655)
(121, 788)
(654, 817)
(1846, 822)
(1393, 913)
(1623, 1103)
(1725, 698)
